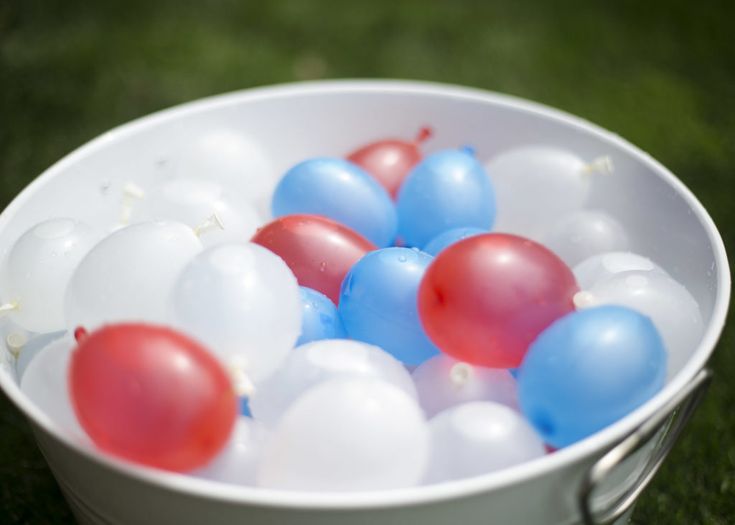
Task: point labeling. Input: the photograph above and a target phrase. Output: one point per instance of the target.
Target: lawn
(661, 74)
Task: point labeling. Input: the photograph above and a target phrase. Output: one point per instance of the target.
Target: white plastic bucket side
(539, 492)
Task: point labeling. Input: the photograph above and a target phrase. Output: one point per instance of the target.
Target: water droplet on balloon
(322, 266)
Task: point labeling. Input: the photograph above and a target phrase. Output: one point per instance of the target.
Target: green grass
(661, 74)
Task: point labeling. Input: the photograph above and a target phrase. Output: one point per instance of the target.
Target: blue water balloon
(378, 303)
(589, 369)
(449, 237)
(448, 189)
(342, 191)
(320, 319)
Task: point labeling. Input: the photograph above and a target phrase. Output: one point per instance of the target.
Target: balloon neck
(12, 306)
(80, 334)
(213, 222)
(603, 165)
(460, 373)
(15, 342)
(583, 299)
(241, 382)
(469, 150)
(131, 193)
(424, 134)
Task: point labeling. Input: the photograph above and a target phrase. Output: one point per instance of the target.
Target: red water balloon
(318, 250)
(389, 161)
(483, 300)
(151, 395)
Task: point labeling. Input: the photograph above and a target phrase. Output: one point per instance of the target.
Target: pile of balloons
(403, 319)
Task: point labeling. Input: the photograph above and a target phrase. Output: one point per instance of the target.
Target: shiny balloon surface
(485, 299)
(151, 395)
(318, 250)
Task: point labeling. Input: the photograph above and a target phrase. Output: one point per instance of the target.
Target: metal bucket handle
(674, 415)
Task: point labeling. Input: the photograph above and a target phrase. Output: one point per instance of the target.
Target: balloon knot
(470, 150)
(80, 334)
(424, 134)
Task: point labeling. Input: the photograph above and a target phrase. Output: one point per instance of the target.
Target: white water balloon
(584, 233)
(238, 462)
(38, 269)
(243, 302)
(322, 361)
(31, 347)
(348, 435)
(128, 275)
(443, 382)
(671, 307)
(192, 200)
(477, 438)
(234, 160)
(45, 384)
(598, 268)
(534, 184)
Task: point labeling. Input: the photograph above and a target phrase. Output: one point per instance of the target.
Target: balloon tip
(15, 342)
(583, 299)
(460, 373)
(468, 149)
(424, 134)
(80, 334)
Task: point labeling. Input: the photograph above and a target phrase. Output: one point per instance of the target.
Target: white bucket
(293, 122)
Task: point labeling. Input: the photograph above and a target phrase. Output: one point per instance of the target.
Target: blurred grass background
(660, 73)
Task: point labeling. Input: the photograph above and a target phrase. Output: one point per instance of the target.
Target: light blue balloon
(448, 189)
(449, 237)
(378, 303)
(589, 369)
(342, 191)
(319, 319)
